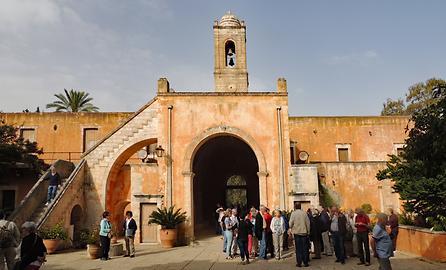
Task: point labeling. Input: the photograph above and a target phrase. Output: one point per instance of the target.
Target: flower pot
(51, 245)
(94, 251)
(168, 237)
(114, 240)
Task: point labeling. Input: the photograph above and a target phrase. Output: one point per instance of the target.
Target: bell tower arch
(230, 71)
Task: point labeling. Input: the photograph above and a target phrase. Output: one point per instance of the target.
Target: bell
(231, 62)
(230, 53)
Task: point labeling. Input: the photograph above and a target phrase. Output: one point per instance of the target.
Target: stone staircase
(33, 207)
(40, 211)
(141, 123)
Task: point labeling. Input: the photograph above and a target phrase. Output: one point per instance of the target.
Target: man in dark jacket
(338, 228)
(244, 228)
(129, 227)
(325, 227)
(260, 231)
(315, 233)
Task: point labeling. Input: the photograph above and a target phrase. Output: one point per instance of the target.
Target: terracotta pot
(114, 240)
(168, 237)
(94, 251)
(51, 245)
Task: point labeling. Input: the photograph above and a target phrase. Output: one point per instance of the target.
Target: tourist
(338, 229)
(244, 229)
(235, 220)
(278, 230)
(315, 233)
(393, 223)
(269, 234)
(218, 215)
(10, 239)
(229, 232)
(260, 231)
(54, 181)
(353, 252)
(362, 224)
(226, 214)
(252, 239)
(105, 235)
(287, 226)
(32, 249)
(300, 228)
(381, 243)
(325, 230)
(129, 231)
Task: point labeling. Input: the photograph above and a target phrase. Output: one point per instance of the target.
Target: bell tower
(230, 72)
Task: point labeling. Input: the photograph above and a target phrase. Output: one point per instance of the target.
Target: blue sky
(339, 57)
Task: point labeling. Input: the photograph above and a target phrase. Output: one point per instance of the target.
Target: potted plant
(168, 219)
(92, 240)
(52, 237)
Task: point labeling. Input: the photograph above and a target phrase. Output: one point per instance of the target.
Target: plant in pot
(52, 237)
(168, 219)
(91, 238)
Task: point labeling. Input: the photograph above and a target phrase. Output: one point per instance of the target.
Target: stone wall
(352, 184)
(304, 185)
(422, 242)
(371, 138)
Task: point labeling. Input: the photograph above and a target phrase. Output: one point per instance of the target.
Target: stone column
(263, 187)
(189, 206)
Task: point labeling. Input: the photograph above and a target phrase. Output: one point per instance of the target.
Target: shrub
(367, 207)
(55, 232)
(168, 218)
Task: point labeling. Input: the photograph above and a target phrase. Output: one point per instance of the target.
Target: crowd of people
(257, 233)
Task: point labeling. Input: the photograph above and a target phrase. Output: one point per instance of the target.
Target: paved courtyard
(207, 254)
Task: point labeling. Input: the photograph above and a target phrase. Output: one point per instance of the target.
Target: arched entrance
(225, 169)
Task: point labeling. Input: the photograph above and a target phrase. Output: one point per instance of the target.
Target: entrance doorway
(149, 232)
(225, 169)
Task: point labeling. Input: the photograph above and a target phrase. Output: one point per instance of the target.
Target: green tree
(394, 107)
(419, 175)
(73, 101)
(15, 152)
(419, 96)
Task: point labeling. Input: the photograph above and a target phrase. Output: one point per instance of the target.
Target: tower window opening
(230, 54)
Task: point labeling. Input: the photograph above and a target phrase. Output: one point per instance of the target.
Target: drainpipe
(169, 158)
(281, 173)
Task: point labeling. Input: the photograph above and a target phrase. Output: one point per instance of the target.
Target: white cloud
(355, 58)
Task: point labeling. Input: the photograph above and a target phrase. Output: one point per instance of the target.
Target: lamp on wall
(159, 151)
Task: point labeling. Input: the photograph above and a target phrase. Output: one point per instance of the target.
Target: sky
(339, 57)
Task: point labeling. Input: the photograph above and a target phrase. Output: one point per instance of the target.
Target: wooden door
(149, 233)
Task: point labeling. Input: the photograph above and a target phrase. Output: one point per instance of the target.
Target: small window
(343, 154)
(90, 138)
(399, 152)
(293, 158)
(28, 134)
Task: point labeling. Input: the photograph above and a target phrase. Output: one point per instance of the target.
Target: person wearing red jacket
(362, 224)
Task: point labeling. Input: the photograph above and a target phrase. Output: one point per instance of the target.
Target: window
(398, 149)
(343, 152)
(90, 138)
(236, 192)
(293, 152)
(28, 134)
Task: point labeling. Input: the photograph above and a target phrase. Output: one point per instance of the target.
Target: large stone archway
(189, 174)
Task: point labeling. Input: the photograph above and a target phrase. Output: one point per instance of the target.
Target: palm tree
(73, 101)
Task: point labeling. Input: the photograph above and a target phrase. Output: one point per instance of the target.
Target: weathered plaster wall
(68, 137)
(372, 138)
(422, 242)
(353, 184)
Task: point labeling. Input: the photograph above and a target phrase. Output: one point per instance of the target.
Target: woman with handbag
(32, 249)
(105, 235)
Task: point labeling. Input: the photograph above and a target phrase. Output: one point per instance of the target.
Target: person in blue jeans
(260, 231)
(223, 227)
(54, 180)
(229, 236)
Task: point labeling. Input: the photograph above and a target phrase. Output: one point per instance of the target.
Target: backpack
(6, 236)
